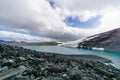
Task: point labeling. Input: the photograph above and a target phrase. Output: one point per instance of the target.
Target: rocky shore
(17, 63)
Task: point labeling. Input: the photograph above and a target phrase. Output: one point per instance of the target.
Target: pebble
(48, 66)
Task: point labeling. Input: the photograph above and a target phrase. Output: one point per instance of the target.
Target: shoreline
(22, 63)
(89, 57)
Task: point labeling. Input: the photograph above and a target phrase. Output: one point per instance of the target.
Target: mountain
(109, 41)
(35, 43)
(10, 42)
(23, 43)
(3, 41)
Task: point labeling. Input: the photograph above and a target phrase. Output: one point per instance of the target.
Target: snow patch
(95, 48)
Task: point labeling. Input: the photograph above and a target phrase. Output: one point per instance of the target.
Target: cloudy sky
(45, 20)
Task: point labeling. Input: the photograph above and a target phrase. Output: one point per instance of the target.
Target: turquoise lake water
(114, 56)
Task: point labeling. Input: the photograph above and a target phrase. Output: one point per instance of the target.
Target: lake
(114, 56)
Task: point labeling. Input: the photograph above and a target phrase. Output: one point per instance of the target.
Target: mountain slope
(110, 41)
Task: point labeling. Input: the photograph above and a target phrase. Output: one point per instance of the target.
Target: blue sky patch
(52, 4)
(75, 22)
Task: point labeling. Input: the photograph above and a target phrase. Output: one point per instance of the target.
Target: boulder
(55, 69)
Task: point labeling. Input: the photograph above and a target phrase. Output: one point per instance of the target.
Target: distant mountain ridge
(9, 42)
(35, 43)
(110, 41)
(23, 43)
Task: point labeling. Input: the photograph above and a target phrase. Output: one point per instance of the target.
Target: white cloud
(35, 16)
(109, 11)
(7, 35)
(38, 17)
(111, 18)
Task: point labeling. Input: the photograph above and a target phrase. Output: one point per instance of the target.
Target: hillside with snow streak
(109, 41)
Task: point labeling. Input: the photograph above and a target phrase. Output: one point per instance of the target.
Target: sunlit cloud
(58, 19)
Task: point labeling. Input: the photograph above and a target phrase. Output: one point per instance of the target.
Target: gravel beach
(17, 63)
